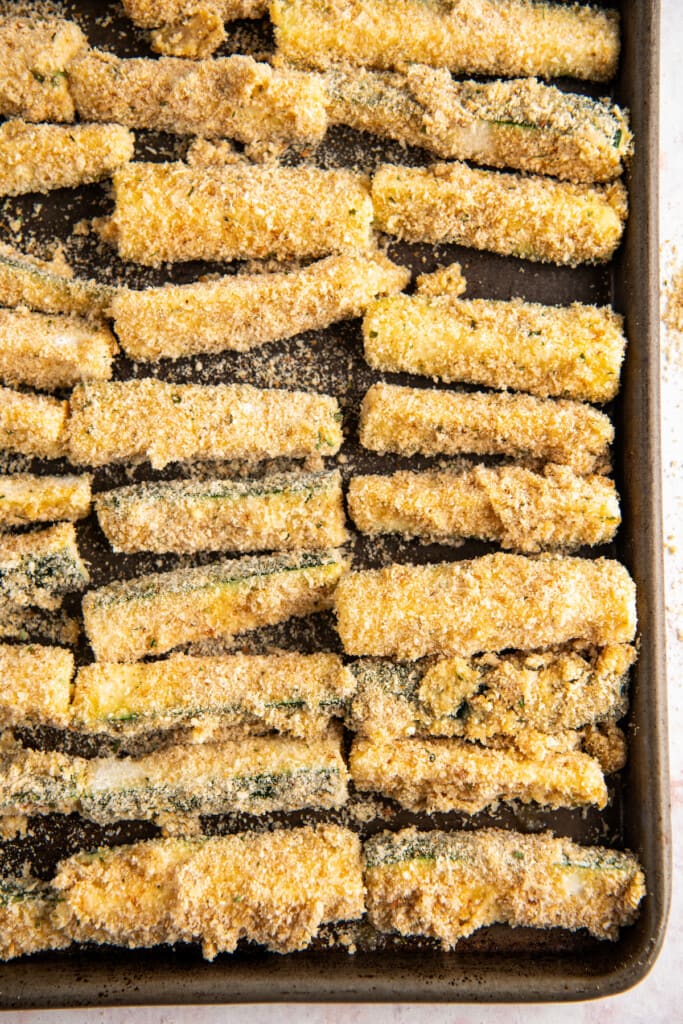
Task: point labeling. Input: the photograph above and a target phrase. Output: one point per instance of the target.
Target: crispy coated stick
(447, 885)
(36, 685)
(230, 97)
(50, 627)
(174, 212)
(126, 620)
(491, 696)
(281, 512)
(247, 310)
(151, 419)
(486, 37)
(255, 775)
(522, 510)
(25, 498)
(39, 568)
(297, 694)
(32, 424)
(412, 420)
(454, 775)
(533, 217)
(491, 603)
(521, 124)
(26, 281)
(40, 157)
(571, 352)
(26, 926)
(50, 352)
(34, 56)
(276, 888)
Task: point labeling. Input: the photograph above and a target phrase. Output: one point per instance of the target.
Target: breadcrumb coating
(25, 499)
(27, 281)
(521, 509)
(126, 620)
(447, 885)
(26, 926)
(36, 685)
(246, 310)
(23, 624)
(39, 568)
(491, 603)
(150, 419)
(411, 420)
(32, 424)
(34, 56)
(174, 212)
(531, 217)
(485, 37)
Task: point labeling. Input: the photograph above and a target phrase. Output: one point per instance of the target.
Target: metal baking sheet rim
(94, 977)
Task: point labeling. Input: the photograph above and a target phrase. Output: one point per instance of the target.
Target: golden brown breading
(26, 925)
(36, 685)
(25, 499)
(40, 567)
(27, 281)
(34, 55)
(32, 424)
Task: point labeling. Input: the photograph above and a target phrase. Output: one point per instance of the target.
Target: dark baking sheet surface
(498, 963)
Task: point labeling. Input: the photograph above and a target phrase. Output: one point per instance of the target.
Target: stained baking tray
(496, 964)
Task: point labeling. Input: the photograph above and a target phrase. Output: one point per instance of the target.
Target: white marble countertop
(658, 997)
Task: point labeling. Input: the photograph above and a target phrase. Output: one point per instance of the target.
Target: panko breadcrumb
(36, 685)
(40, 567)
(32, 424)
(27, 281)
(34, 56)
(25, 499)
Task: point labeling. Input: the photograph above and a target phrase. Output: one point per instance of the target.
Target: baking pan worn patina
(497, 963)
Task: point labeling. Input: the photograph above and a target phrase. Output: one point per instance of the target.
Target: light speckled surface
(658, 997)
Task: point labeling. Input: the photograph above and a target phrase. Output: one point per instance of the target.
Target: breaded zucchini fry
(40, 157)
(26, 281)
(24, 623)
(532, 217)
(149, 419)
(255, 775)
(34, 55)
(454, 775)
(26, 926)
(36, 685)
(447, 885)
(174, 212)
(229, 97)
(522, 510)
(412, 420)
(126, 620)
(282, 512)
(152, 13)
(50, 352)
(570, 352)
(490, 603)
(492, 695)
(275, 888)
(521, 124)
(39, 568)
(297, 694)
(25, 498)
(247, 310)
(485, 37)
(32, 424)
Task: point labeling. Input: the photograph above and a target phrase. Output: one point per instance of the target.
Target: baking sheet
(496, 963)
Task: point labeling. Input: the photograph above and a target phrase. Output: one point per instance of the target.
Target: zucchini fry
(152, 13)
(40, 568)
(454, 775)
(28, 499)
(569, 352)
(520, 509)
(241, 312)
(229, 97)
(412, 420)
(446, 885)
(34, 56)
(282, 512)
(275, 888)
(40, 157)
(126, 620)
(297, 694)
(256, 775)
(490, 603)
(522, 124)
(51, 352)
(532, 217)
(50, 627)
(32, 424)
(492, 695)
(26, 281)
(174, 212)
(483, 37)
(149, 419)
(36, 685)
(26, 925)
